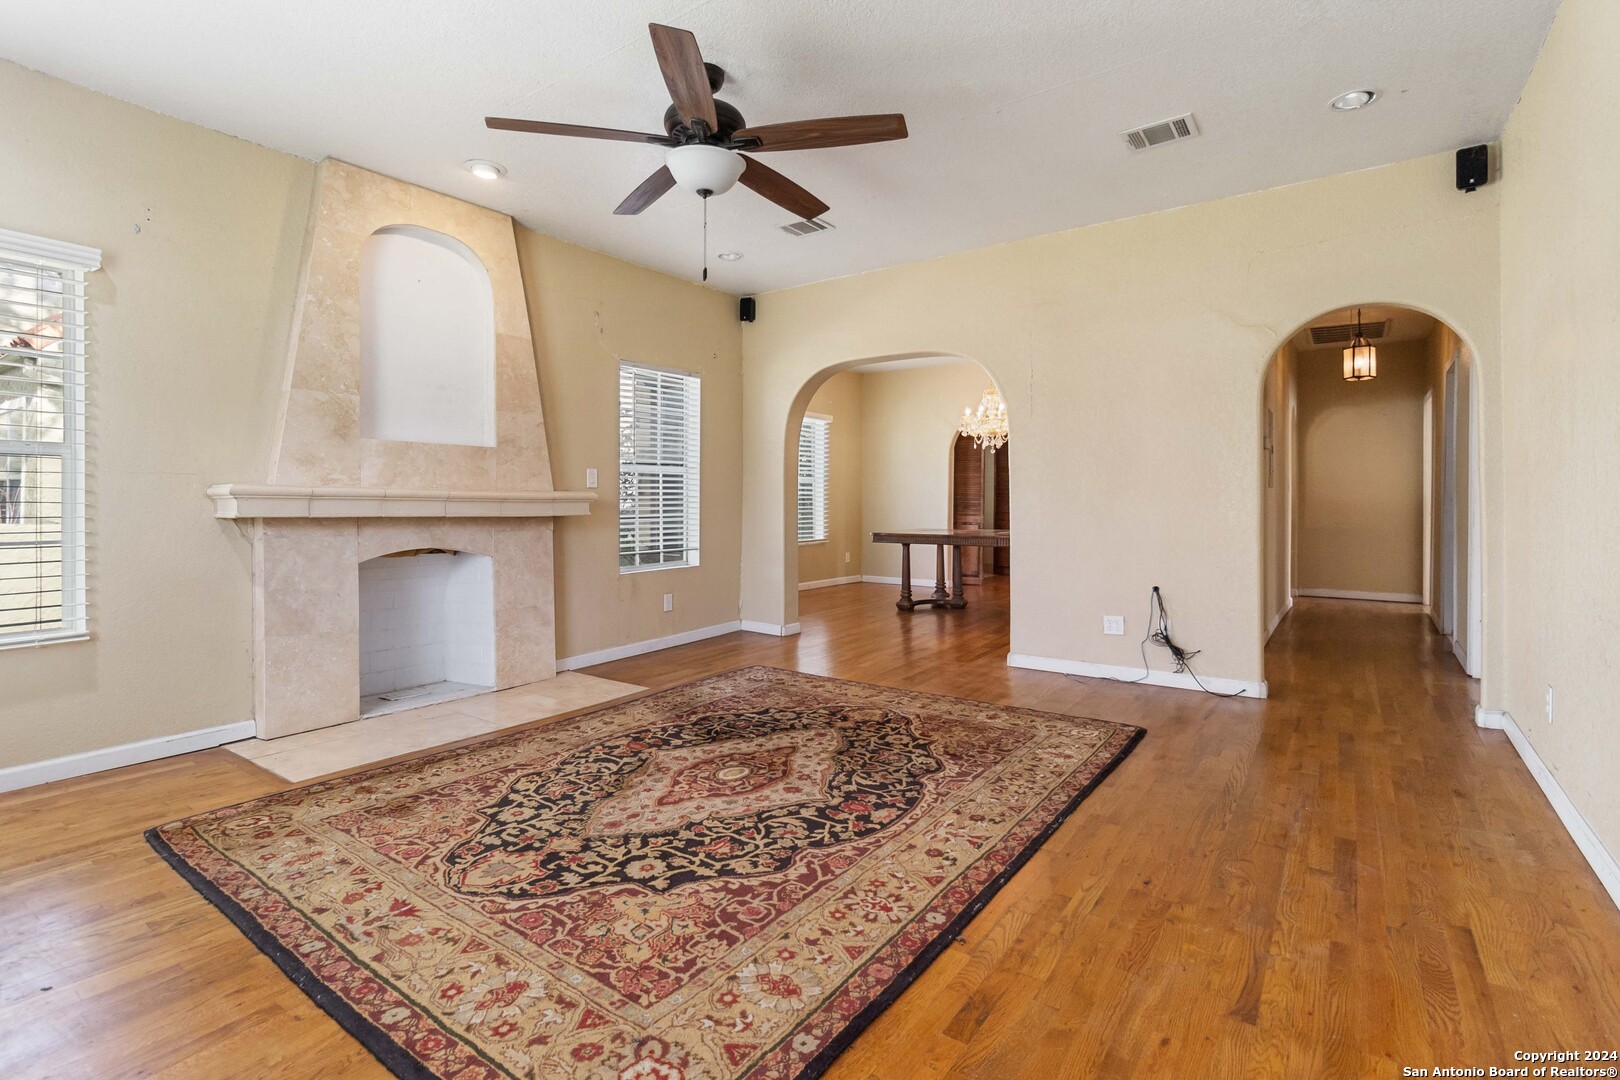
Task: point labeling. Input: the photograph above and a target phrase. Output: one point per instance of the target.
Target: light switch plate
(590, 479)
(1114, 624)
(669, 601)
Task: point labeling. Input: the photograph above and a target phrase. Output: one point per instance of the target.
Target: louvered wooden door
(967, 503)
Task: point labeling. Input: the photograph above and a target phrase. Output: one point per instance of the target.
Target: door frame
(1444, 611)
(1428, 501)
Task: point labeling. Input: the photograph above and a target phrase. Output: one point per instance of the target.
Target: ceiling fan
(704, 135)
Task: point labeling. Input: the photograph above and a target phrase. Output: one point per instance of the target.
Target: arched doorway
(1371, 478)
(892, 414)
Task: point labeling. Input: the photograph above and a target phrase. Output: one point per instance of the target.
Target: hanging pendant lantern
(1361, 358)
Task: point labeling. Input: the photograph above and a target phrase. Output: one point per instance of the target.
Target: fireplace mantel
(238, 501)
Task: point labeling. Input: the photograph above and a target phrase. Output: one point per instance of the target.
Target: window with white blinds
(815, 434)
(42, 354)
(659, 425)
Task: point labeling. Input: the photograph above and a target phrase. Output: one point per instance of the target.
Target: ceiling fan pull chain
(705, 238)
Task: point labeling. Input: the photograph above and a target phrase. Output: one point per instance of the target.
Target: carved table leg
(904, 603)
(941, 593)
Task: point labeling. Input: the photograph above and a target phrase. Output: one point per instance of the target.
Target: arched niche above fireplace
(427, 340)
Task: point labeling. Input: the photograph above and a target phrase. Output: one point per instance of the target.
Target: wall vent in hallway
(1165, 131)
(806, 228)
(1346, 332)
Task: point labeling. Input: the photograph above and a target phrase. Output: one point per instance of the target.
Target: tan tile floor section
(361, 742)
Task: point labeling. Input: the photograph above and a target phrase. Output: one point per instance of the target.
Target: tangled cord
(1159, 634)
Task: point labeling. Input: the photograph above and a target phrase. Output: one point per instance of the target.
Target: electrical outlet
(669, 601)
(846, 558)
(1549, 704)
(1114, 624)
(590, 479)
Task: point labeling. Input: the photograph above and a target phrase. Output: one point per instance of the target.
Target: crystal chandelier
(988, 425)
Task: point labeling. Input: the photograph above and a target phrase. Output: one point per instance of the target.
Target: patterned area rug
(726, 879)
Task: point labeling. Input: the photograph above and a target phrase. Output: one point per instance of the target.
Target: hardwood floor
(1340, 881)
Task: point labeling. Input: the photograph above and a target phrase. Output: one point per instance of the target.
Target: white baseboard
(1282, 613)
(827, 582)
(116, 757)
(1460, 651)
(637, 648)
(1350, 594)
(1128, 674)
(773, 629)
(1602, 861)
(916, 582)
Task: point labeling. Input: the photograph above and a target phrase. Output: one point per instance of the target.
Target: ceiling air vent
(1165, 131)
(806, 228)
(1345, 333)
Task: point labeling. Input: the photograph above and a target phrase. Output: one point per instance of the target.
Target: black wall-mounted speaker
(745, 309)
(1473, 167)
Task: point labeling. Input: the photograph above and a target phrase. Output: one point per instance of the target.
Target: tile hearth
(361, 742)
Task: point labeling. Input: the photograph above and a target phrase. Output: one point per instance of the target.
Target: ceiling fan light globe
(699, 167)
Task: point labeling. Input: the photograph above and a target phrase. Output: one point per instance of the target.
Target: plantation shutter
(42, 367)
(659, 426)
(814, 437)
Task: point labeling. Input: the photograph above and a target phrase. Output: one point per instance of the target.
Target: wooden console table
(956, 540)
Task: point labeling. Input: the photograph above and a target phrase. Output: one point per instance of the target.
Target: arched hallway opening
(1370, 469)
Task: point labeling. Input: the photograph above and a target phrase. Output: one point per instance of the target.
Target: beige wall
(588, 311)
(839, 556)
(911, 419)
(1359, 527)
(1560, 399)
(188, 320)
(1277, 486)
(1131, 356)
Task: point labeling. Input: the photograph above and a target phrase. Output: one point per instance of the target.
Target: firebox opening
(427, 629)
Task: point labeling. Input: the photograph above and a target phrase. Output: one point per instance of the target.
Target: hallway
(1340, 881)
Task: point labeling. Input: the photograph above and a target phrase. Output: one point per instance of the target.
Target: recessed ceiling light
(731, 256)
(1355, 99)
(485, 170)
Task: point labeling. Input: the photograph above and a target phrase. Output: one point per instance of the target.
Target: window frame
(74, 262)
(691, 468)
(821, 500)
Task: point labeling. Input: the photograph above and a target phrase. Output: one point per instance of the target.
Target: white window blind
(659, 425)
(815, 434)
(42, 365)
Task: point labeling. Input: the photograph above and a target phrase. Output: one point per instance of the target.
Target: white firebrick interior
(426, 620)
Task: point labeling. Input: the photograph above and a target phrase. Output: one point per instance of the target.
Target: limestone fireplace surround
(335, 498)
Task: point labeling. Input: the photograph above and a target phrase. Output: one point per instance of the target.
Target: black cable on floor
(1159, 634)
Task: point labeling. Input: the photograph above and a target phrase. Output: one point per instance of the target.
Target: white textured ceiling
(1014, 108)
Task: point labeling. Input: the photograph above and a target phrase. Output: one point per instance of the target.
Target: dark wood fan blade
(647, 193)
(682, 65)
(780, 190)
(830, 131)
(542, 127)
